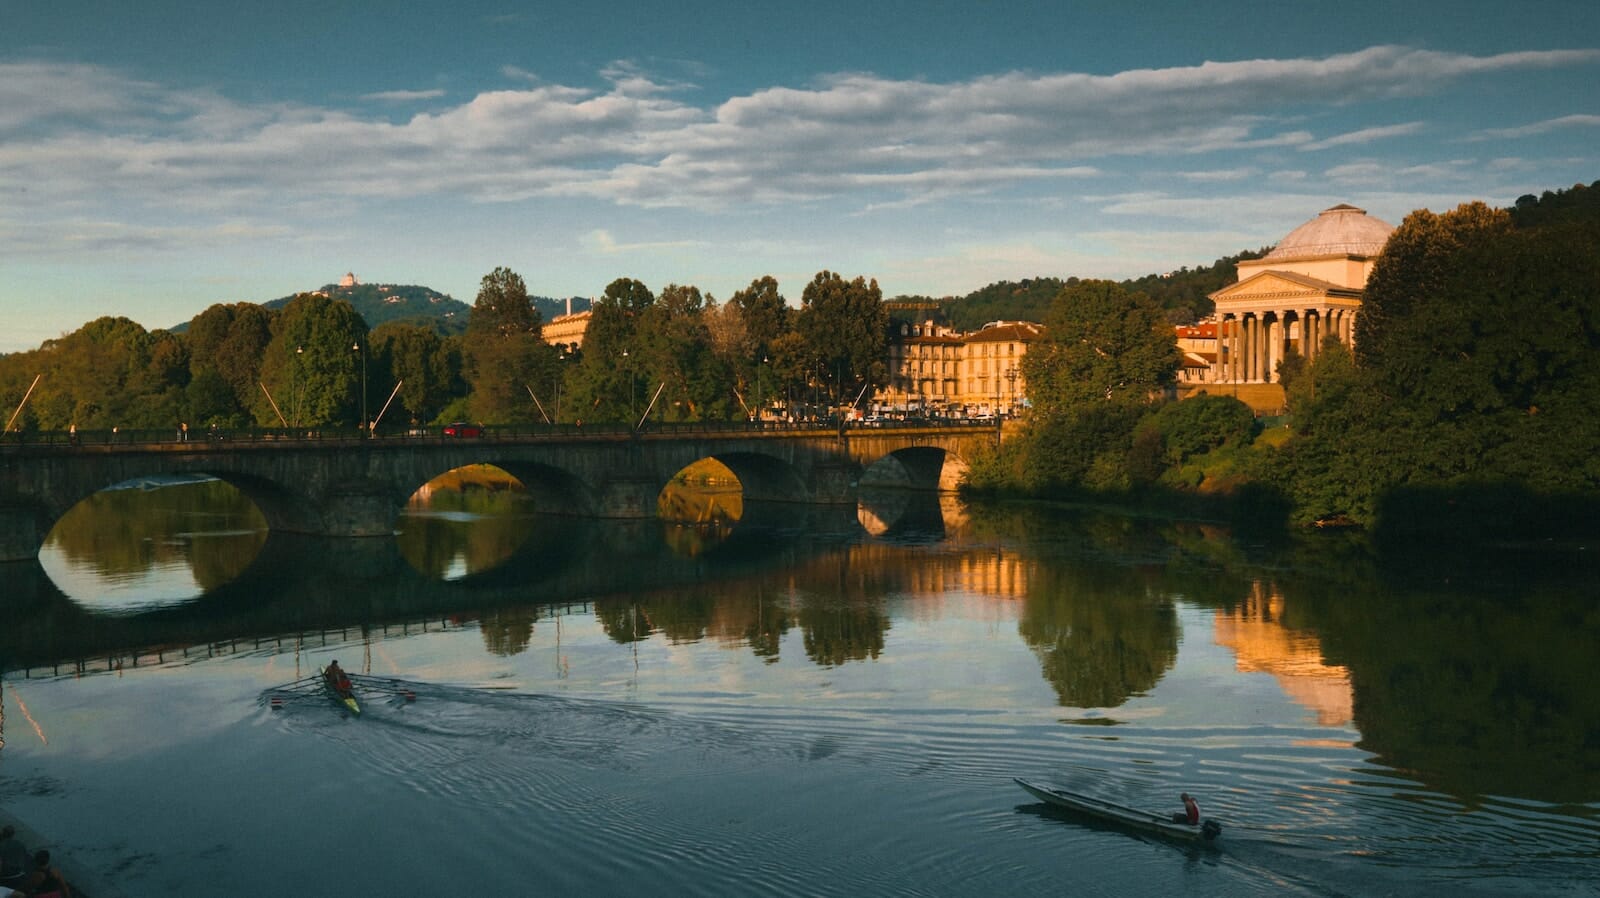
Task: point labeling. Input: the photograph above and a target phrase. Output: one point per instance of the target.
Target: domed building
(1307, 289)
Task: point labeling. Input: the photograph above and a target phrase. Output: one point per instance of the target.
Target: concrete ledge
(84, 883)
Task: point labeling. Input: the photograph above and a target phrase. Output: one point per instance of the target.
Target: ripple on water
(583, 774)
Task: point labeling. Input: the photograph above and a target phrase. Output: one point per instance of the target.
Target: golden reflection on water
(1261, 643)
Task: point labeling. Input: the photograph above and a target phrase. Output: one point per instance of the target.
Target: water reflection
(1262, 643)
(1473, 694)
(127, 550)
(1102, 634)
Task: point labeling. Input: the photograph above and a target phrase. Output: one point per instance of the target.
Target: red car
(463, 429)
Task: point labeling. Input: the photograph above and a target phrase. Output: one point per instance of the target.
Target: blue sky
(158, 157)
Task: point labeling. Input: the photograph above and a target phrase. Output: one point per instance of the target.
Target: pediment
(1276, 285)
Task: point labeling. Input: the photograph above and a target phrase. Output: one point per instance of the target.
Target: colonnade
(1251, 344)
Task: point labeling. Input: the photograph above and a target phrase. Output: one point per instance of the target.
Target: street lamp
(1011, 375)
(356, 348)
(561, 375)
(758, 388)
(628, 366)
(295, 387)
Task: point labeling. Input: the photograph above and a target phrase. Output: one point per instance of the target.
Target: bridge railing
(65, 439)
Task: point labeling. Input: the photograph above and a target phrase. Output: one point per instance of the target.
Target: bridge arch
(553, 489)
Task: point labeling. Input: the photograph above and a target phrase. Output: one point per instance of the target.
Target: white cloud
(1537, 128)
(1364, 136)
(601, 242)
(87, 143)
(1218, 176)
(404, 96)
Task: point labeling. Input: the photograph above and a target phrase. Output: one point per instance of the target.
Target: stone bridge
(348, 486)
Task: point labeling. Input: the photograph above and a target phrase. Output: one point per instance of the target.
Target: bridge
(341, 484)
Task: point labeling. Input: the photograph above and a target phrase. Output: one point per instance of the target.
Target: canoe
(1121, 815)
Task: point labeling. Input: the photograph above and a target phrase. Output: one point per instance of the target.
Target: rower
(336, 677)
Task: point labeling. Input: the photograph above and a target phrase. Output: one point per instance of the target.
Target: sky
(158, 157)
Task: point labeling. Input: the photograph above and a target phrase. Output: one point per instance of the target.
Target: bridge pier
(23, 529)
(361, 509)
(628, 497)
(835, 482)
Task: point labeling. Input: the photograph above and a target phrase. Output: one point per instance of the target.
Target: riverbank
(85, 883)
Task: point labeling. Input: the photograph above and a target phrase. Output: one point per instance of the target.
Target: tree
(846, 331)
(605, 384)
(503, 307)
(1101, 342)
(505, 355)
(674, 349)
(231, 340)
(415, 357)
(311, 367)
(765, 314)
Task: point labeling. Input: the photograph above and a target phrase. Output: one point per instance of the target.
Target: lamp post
(295, 376)
(561, 375)
(356, 348)
(1011, 375)
(628, 366)
(758, 388)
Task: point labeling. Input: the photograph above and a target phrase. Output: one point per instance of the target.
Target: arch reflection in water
(152, 544)
(466, 522)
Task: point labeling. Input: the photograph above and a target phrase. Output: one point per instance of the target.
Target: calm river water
(828, 706)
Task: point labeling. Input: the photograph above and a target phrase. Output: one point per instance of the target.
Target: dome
(1340, 231)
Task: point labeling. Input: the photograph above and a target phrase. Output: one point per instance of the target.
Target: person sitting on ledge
(45, 881)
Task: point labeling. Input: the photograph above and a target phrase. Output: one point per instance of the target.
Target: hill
(409, 303)
(1182, 293)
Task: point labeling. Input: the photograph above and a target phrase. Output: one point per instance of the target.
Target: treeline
(315, 362)
(1184, 296)
(1472, 399)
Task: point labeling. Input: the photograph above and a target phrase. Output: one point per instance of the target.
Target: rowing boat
(1121, 815)
(319, 687)
(342, 693)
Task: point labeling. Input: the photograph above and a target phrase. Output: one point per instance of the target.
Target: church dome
(1341, 231)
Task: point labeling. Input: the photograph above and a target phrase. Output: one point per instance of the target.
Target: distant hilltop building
(349, 280)
(1307, 289)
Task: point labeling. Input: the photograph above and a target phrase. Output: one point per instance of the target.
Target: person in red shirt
(1190, 813)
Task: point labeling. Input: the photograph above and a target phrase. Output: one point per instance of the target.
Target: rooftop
(1342, 230)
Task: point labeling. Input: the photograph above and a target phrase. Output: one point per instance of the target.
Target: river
(824, 704)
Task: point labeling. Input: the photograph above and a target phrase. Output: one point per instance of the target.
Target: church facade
(1307, 289)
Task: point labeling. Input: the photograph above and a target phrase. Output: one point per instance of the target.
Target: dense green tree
(312, 368)
(503, 307)
(846, 331)
(231, 340)
(1179, 431)
(765, 314)
(605, 384)
(676, 356)
(505, 355)
(109, 373)
(416, 358)
(1101, 343)
(1476, 366)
